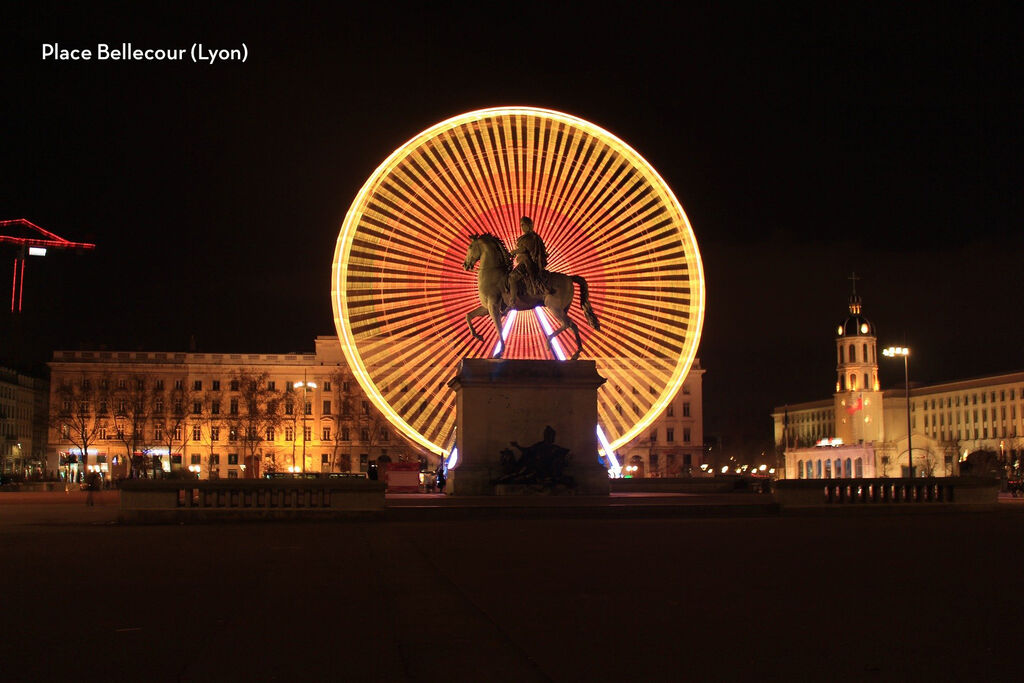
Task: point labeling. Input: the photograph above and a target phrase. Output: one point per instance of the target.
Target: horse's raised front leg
(478, 312)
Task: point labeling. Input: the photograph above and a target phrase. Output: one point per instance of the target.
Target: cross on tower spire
(853, 279)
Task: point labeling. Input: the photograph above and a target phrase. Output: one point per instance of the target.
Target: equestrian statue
(528, 285)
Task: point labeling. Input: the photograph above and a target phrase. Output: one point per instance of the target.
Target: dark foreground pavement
(865, 598)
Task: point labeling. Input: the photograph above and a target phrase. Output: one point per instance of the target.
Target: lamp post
(892, 352)
(306, 386)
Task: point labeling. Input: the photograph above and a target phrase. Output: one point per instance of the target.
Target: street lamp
(892, 352)
(306, 386)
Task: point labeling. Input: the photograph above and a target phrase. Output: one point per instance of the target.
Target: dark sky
(803, 143)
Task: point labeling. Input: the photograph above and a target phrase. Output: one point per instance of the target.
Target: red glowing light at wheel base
(401, 295)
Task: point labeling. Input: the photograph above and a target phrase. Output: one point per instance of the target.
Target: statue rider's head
(526, 224)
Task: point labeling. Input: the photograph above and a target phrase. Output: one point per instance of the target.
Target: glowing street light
(305, 386)
(893, 352)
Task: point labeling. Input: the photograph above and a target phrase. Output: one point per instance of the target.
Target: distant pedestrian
(441, 480)
(92, 483)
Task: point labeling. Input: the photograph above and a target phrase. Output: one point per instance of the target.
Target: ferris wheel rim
(340, 265)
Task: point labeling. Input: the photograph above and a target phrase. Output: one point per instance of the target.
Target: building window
(232, 434)
(197, 433)
(215, 407)
(214, 433)
(289, 408)
(366, 407)
(364, 434)
(158, 405)
(234, 385)
(686, 434)
(345, 434)
(842, 355)
(158, 385)
(670, 434)
(384, 434)
(158, 433)
(197, 385)
(864, 354)
(289, 434)
(233, 406)
(654, 436)
(327, 386)
(686, 410)
(271, 385)
(179, 384)
(232, 458)
(177, 433)
(670, 411)
(270, 433)
(197, 407)
(853, 353)
(327, 408)
(197, 459)
(216, 385)
(307, 433)
(309, 408)
(325, 434)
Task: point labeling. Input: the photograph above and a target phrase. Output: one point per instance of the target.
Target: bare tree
(210, 421)
(76, 418)
(170, 414)
(259, 410)
(341, 396)
(131, 404)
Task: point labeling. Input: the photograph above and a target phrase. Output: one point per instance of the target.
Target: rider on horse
(532, 262)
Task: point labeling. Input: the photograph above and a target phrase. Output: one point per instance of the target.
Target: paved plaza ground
(652, 597)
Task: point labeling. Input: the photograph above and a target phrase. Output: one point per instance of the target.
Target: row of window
(940, 419)
(103, 434)
(972, 399)
(824, 469)
(853, 354)
(197, 407)
(670, 435)
(850, 383)
(179, 384)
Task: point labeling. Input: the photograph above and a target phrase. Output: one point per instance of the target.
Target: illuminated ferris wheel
(401, 295)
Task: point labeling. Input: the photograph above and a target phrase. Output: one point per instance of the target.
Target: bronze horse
(492, 284)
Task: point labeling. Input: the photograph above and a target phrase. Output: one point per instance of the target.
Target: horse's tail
(585, 301)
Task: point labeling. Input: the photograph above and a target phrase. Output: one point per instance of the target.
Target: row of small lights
(742, 469)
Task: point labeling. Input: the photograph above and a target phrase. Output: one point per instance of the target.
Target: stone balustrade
(286, 498)
(923, 491)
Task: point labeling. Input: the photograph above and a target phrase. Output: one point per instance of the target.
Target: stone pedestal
(500, 401)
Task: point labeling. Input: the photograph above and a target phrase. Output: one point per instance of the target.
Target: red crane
(31, 240)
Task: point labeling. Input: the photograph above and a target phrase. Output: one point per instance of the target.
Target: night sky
(803, 143)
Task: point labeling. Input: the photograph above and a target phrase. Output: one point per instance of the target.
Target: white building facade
(862, 431)
(22, 424)
(673, 445)
(189, 411)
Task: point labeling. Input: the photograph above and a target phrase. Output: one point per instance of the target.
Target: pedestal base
(501, 401)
